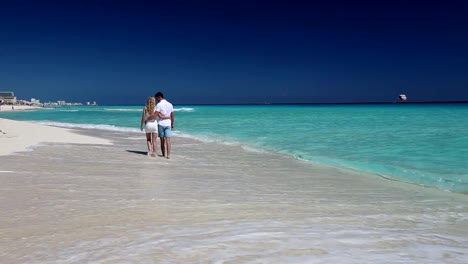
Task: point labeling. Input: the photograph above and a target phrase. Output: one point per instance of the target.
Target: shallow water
(213, 203)
(424, 144)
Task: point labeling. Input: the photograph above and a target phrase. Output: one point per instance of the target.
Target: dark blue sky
(120, 52)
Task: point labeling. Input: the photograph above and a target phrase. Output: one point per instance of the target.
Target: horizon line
(344, 103)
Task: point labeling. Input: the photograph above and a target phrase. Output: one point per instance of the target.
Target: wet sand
(212, 203)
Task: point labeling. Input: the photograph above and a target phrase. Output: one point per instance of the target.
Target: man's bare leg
(168, 142)
(163, 151)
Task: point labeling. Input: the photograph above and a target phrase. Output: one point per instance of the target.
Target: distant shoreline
(14, 108)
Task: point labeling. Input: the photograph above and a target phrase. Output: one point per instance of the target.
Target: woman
(151, 127)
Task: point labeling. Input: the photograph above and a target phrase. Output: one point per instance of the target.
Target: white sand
(212, 203)
(19, 136)
(8, 108)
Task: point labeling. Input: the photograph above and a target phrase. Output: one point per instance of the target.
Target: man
(164, 108)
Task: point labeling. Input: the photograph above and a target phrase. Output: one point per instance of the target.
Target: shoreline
(76, 203)
(74, 128)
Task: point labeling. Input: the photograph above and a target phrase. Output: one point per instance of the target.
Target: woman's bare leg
(149, 144)
(154, 139)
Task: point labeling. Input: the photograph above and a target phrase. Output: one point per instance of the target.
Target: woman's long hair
(150, 105)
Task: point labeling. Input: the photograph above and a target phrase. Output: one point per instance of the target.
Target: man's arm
(172, 119)
(161, 116)
(155, 115)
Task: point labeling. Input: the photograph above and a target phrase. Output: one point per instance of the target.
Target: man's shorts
(164, 131)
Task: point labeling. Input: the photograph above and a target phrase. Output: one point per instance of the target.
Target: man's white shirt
(165, 108)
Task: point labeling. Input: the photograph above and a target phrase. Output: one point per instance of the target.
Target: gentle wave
(457, 184)
(218, 140)
(90, 126)
(122, 109)
(184, 109)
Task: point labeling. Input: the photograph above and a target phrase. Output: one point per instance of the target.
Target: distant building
(8, 97)
(35, 101)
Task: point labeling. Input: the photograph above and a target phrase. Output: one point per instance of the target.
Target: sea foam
(90, 126)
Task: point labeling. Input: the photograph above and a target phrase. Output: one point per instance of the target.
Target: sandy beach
(20, 136)
(9, 108)
(96, 202)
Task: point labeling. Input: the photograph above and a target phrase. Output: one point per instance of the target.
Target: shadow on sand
(137, 152)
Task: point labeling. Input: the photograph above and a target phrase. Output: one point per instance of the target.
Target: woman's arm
(143, 118)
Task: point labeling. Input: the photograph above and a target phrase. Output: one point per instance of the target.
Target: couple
(165, 112)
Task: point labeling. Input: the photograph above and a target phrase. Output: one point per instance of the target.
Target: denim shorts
(164, 131)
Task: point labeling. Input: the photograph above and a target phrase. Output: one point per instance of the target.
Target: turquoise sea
(424, 144)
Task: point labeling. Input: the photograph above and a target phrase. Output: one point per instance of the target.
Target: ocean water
(423, 144)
